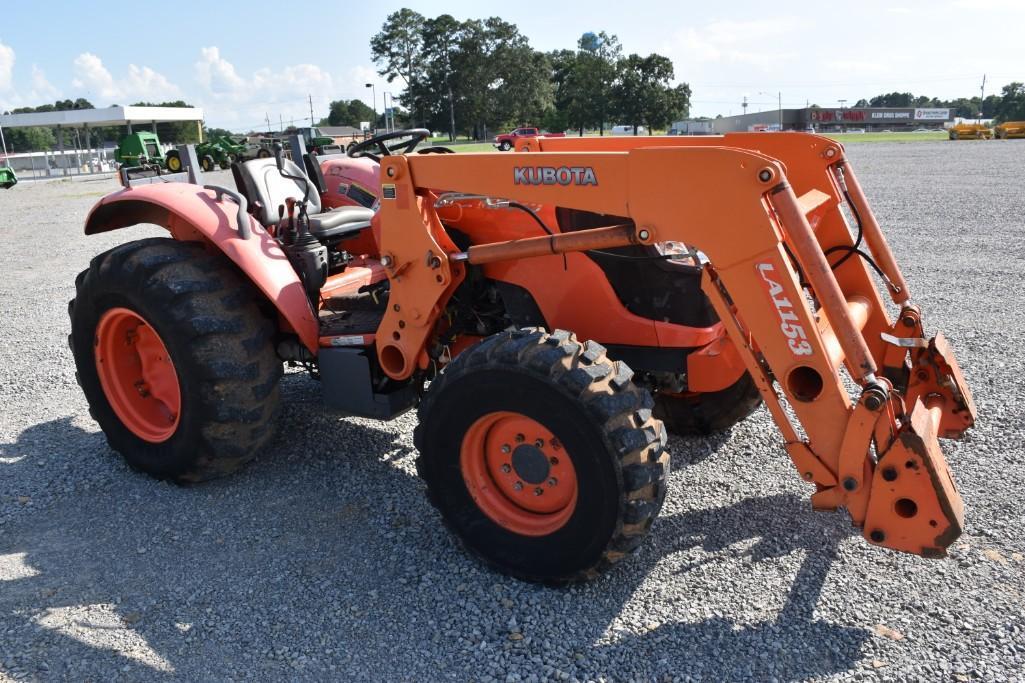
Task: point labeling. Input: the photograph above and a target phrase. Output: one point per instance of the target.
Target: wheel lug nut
(553, 481)
(506, 448)
(538, 491)
(506, 469)
(518, 486)
(540, 443)
(520, 438)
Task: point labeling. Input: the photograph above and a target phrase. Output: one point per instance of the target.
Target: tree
(1012, 103)
(216, 133)
(500, 79)
(179, 133)
(566, 95)
(436, 95)
(348, 113)
(597, 69)
(893, 99)
(398, 48)
(35, 139)
(643, 94)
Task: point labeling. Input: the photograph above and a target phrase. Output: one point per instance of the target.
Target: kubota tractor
(540, 310)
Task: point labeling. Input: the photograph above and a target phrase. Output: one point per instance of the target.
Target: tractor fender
(191, 213)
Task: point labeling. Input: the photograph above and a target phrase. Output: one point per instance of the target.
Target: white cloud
(752, 42)
(231, 97)
(42, 89)
(297, 80)
(6, 66)
(216, 74)
(141, 82)
(90, 74)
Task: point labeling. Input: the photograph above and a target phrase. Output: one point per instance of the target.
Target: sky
(246, 62)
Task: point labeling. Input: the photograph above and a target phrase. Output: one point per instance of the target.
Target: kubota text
(549, 175)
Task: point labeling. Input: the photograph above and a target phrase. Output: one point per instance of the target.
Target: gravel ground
(324, 560)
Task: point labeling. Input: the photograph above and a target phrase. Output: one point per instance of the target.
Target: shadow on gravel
(793, 646)
(125, 574)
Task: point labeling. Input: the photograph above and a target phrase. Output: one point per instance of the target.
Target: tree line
(481, 75)
(1009, 105)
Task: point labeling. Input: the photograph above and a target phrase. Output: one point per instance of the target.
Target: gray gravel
(324, 560)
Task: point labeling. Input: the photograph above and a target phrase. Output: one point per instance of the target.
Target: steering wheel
(362, 149)
(437, 149)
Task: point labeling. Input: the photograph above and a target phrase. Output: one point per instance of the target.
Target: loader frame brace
(731, 197)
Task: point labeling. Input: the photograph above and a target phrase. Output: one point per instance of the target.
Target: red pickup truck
(506, 141)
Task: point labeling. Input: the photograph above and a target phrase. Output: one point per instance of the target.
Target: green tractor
(140, 149)
(314, 140)
(220, 151)
(7, 178)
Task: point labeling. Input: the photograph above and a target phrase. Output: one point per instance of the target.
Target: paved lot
(324, 560)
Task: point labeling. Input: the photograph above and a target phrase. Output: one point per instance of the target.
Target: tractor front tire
(207, 163)
(173, 161)
(542, 455)
(710, 412)
(175, 358)
(262, 153)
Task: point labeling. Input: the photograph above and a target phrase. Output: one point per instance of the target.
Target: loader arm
(874, 453)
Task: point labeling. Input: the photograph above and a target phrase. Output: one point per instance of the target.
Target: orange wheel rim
(518, 473)
(137, 375)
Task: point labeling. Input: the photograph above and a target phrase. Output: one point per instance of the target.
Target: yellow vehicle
(1011, 129)
(970, 131)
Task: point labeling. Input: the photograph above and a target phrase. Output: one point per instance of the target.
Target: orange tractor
(545, 312)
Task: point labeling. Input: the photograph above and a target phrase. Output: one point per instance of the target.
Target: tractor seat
(264, 184)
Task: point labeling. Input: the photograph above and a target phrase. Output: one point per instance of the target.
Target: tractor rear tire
(708, 413)
(542, 455)
(262, 153)
(213, 351)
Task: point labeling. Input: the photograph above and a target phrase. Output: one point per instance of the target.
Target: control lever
(278, 149)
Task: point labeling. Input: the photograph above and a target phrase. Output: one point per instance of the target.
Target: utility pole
(982, 96)
(266, 117)
(779, 101)
(451, 116)
(744, 104)
(312, 122)
(281, 123)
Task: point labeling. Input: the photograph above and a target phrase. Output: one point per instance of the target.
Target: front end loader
(476, 288)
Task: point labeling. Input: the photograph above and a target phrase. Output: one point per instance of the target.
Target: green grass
(473, 147)
(466, 145)
(848, 138)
